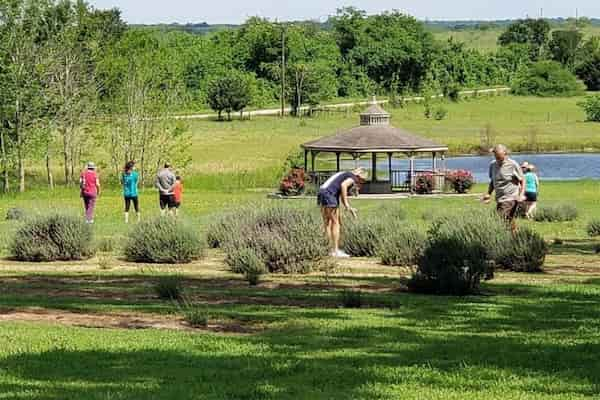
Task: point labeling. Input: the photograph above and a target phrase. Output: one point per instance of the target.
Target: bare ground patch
(120, 321)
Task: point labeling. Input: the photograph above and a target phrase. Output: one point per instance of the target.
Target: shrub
(593, 228)
(461, 250)
(526, 252)
(53, 237)
(222, 227)
(164, 241)
(169, 287)
(461, 181)
(591, 106)
(286, 239)
(402, 247)
(557, 213)
(246, 261)
(351, 298)
(106, 244)
(15, 214)
(361, 237)
(440, 113)
(196, 315)
(294, 183)
(546, 78)
(423, 183)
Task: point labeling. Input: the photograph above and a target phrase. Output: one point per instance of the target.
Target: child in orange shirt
(177, 193)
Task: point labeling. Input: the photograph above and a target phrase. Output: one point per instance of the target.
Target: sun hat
(499, 148)
(360, 172)
(91, 165)
(525, 165)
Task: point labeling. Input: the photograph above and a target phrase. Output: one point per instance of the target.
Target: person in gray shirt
(506, 179)
(165, 181)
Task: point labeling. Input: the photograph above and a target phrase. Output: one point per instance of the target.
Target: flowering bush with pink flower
(461, 181)
(424, 183)
(294, 183)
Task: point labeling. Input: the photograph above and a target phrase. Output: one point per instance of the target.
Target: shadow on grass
(575, 247)
(342, 363)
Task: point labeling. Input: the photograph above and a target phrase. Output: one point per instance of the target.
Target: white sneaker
(341, 254)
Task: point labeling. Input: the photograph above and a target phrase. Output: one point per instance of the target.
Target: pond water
(549, 166)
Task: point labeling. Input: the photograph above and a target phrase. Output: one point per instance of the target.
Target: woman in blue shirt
(129, 180)
(532, 188)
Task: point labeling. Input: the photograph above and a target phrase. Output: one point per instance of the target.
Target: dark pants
(135, 201)
(89, 203)
(166, 200)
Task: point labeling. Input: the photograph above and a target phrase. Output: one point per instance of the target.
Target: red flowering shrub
(461, 181)
(294, 183)
(424, 183)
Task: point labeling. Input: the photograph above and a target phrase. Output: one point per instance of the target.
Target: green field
(254, 151)
(487, 40)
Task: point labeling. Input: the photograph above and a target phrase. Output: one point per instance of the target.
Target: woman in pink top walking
(90, 190)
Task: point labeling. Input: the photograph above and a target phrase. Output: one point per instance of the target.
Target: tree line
(76, 80)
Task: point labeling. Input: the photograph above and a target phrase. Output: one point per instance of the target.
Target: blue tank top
(334, 184)
(530, 183)
(130, 184)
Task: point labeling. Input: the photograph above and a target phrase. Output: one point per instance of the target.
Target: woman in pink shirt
(90, 190)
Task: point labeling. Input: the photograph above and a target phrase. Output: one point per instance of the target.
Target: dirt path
(277, 111)
(117, 321)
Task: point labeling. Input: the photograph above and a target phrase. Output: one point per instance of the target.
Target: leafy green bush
(286, 239)
(591, 106)
(546, 79)
(223, 227)
(169, 287)
(402, 247)
(461, 251)
(440, 113)
(53, 237)
(526, 252)
(593, 228)
(164, 241)
(196, 315)
(556, 213)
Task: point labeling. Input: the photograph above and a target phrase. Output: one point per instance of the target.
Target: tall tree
(563, 47)
(532, 32)
(21, 26)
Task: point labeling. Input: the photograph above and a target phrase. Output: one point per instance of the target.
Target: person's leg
(127, 207)
(532, 207)
(163, 204)
(85, 207)
(136, 207)
(335, 229)
(90, 209)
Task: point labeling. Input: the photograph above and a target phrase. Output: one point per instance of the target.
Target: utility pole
(282, 70)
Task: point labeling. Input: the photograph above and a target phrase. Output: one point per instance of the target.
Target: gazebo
(375, 136)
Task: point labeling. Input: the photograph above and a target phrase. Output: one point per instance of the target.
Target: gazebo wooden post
(390, 167)
(434, 162)
(373, 167)
(313, 155)
(337, 161)
(412, 172)
(305, 160)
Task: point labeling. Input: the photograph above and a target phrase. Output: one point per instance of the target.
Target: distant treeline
(453, 25)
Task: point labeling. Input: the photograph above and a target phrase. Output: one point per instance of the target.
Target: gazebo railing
(401, 181)
(319, 177)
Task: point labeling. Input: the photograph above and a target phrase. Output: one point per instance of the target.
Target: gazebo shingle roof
(375, 134)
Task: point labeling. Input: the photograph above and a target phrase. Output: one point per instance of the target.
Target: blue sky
(236, 11)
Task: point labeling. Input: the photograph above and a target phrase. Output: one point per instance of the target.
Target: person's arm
(488, 195)
(345, 187)
(98, 186)
(518, 175)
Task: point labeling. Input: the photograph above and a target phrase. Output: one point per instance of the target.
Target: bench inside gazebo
(376, 138)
